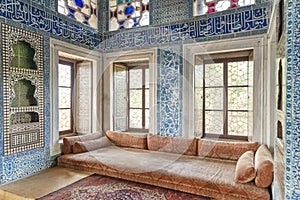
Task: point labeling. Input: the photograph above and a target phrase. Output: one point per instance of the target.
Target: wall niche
(23, 90)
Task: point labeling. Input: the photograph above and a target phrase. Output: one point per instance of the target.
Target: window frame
(56, 48)
(108, 88)
(143, 129)
(72, 103)
(225, 87)
(263, 101)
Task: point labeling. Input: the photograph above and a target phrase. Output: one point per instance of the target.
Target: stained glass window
(84, 11)
(128, 14)
(223, 97)
(202, 7)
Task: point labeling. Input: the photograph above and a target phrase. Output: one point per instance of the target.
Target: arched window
(84, 11)
(202, 7)
(125, 14)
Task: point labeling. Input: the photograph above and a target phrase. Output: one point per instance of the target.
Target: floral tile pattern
(292, 176)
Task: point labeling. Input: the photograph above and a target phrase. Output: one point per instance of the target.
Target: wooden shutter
(83, 97)
(120, 97)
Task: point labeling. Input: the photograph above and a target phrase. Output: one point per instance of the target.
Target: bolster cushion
(132, 140)
(187, 146)
(224, 149)
(68, 142)
(90, 145)
(264, 165)
(245, 169)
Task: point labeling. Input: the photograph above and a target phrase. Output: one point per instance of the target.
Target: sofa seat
(193, 174)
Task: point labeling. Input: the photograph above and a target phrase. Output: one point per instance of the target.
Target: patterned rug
(99, 187)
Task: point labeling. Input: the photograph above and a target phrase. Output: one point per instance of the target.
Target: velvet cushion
(90, 145)
(264, 165)
(245, 170)
(68, 142)
(172, 144)
(224, 149)
(133, 140)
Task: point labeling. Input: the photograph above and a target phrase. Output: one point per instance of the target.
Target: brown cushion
(90, 145)
(224, 149)
(68, 142)
(245, 170)
(172, 144)
(133, 140)
(264, 165)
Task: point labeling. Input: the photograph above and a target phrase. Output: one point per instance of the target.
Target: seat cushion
(264, 165)
(245, 170)
(132, 140)
(90, 145)
(187, 146)
(224, 149)
(68, 142)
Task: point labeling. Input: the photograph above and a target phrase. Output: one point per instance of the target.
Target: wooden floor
(41, 184)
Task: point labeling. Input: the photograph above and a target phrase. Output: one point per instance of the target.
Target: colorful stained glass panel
(202, 7)
(128, 14)
(84, 11)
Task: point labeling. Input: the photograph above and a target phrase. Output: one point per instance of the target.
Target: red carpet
(99, 187)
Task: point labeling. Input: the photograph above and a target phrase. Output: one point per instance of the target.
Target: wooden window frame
(225, 86)
(71, 130)
(143, 129)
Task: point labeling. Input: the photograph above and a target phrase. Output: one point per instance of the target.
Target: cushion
(245, 170)
(133, 140)
(264, 165)
(187, 146)
(224, 149)
(90, 145)
(68, 142)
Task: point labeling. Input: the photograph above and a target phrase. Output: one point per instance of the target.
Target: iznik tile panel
(58, 26)
(229, 24)
(166, 11)
(292, 176)
(170, 91)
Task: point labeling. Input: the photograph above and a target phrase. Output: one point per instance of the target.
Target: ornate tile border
(50, 22)
(242, 21)
(292, 176)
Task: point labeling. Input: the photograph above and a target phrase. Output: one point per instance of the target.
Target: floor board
(41, 184)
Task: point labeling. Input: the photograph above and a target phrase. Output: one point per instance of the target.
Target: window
(131, 97)
(223, 98)
(65, 92)
(84, 11)
(202, 7)
(124, 14)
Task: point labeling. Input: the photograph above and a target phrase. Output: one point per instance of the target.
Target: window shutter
(84, 97)
(120, 97)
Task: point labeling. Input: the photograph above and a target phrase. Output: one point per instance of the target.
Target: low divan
(217, 169)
